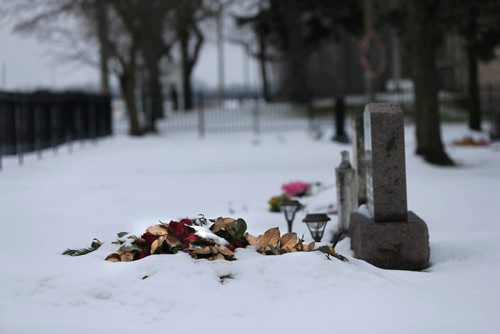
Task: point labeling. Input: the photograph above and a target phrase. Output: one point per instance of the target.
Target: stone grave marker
(347, 199)
(391, 236)
(358, 147)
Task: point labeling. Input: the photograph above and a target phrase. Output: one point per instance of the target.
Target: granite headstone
(390, 236)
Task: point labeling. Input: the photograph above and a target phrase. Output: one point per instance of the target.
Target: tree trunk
(263, 69)
(128, 91)
(102, 32)
(473, 87)
(423, 40)
(297, 56)
(128, 84)
(473, 80)
(186, 72)
(188, 90)
(155, 89)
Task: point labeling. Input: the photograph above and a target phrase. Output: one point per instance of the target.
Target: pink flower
(296, 188)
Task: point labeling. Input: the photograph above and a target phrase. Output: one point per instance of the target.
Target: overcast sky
(29, 64)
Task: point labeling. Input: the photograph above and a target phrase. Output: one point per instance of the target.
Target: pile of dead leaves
(272, 243)
(211, 239)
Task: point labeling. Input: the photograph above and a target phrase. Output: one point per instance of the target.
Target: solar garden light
(316, 222)
(290, 208)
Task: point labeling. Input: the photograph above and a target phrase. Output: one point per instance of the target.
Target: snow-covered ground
(125, 184)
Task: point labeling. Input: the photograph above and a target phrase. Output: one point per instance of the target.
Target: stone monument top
(385, 162)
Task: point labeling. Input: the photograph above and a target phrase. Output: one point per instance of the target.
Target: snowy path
(127, 184)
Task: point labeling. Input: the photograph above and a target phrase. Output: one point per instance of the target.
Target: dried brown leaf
(253, 241)
(172, 241)
(126, 256)
(222, 224)
(224, 250)
(229, 220)
(113, 257)
(202, 250)
(288, 240)
(270, 237)
(309, 247)
(157, 243)
(299, 246)
(158, 229)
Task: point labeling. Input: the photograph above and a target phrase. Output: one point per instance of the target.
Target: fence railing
(251, 114)
(248, 115)
(32, 122)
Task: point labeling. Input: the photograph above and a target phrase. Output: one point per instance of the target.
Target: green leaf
(78, 252)
(274, 250)
(121, 234)
(240, 227)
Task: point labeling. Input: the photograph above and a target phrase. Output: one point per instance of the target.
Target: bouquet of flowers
(193, 236)
(188, 235)
(296, 188)
(290, 189)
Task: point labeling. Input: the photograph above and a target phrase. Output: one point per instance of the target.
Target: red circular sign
(370, 41)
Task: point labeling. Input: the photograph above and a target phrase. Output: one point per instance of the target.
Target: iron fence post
(2, 131)
(69, 121)
(54, 126)
(93, 123)
(37, 128)
(201, 116)
(256, 120)
(19, 131)
(310, 117)
(490, 102)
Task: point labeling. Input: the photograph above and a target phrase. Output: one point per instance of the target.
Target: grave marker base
(391, 245)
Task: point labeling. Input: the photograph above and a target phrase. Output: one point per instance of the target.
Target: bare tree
(188, 15)
(102, 36)
(148, 27)
(255, 35)
(60, 23)
(116, 36)
(423, 37)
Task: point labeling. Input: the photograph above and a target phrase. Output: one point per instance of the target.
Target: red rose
(190, 237)
(149, 237)
(236, 244)
(180, 230)
(142, 255)
(186, 221)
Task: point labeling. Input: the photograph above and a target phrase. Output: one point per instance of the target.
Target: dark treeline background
(312, 45)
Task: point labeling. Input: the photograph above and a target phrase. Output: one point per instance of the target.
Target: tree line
(289, 30)
(138, 39)
(134, 39)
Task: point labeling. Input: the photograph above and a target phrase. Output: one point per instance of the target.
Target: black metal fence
(454, 105)
(248, 115)
(255, 115)
(35, 121)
